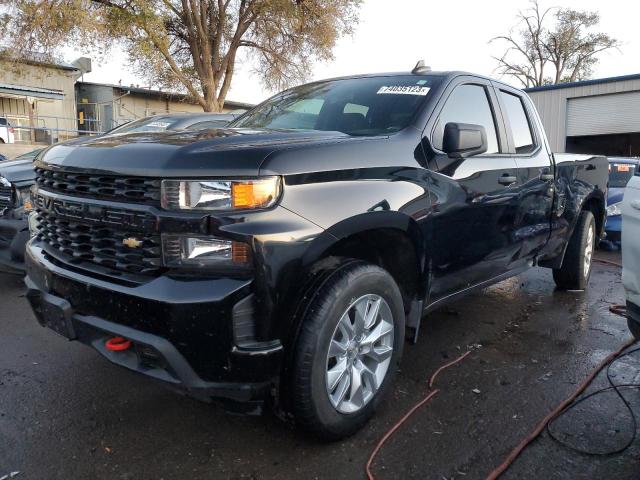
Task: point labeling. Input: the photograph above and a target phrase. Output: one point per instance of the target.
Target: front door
(475, 200)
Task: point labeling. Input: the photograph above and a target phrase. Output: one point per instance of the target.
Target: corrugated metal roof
(584, 83)
(31, 91)
(161, 93)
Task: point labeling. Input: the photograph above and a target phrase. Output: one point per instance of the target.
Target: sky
(393, 35)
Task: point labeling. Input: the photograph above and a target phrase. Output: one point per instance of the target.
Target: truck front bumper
(14, 234)
(181, 330)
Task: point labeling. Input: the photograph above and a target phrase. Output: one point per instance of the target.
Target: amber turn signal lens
(240, 253)
(254, 194)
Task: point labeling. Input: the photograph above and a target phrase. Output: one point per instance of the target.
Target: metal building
(102, 106)
(599, 116)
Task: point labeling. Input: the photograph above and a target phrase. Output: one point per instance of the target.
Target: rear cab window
(519, 122)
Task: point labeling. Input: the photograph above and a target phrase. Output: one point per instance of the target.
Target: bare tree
(192, 45)
(554, 45)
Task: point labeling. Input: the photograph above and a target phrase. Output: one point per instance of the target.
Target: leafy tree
(192, 45)
(552, 46)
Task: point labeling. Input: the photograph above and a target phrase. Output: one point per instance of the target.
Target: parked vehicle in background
(16, 178)
(621, 170)
(631, 252)
(178, 121)
(287, 256)
(29, 155)
(7, 135)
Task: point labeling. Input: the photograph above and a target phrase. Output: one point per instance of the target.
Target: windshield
(149, 124)
(620, 174)
(356, 106)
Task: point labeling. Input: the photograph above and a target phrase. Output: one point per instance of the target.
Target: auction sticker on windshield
(403, 90)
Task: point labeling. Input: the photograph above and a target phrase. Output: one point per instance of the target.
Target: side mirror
(462, 140)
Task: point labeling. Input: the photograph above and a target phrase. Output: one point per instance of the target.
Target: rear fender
(564, 225)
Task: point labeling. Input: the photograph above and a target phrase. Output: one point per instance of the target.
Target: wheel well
(596, 207)
(390, 249)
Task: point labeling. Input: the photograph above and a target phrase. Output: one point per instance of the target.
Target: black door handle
(546, 177)
(507, 179)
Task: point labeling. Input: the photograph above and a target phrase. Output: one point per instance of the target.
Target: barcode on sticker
(403, 90)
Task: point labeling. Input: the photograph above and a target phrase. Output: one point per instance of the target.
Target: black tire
(311, 406)
(574, 274)
(634, 328)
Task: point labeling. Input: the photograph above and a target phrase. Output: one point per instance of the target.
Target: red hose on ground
(399, 423)
(540, 426)
(617, 309)
(607, 262)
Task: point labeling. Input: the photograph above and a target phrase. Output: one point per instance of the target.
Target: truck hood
(181, 153)
(18, 172)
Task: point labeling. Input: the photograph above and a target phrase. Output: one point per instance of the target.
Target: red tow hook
(117, 344)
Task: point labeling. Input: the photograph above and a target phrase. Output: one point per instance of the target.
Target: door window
(468, 104)
(520, 124)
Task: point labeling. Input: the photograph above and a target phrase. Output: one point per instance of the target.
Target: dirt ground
(66, 413)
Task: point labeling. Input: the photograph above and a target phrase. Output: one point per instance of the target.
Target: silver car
(631, 252)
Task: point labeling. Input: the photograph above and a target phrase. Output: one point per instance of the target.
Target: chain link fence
(44, 130)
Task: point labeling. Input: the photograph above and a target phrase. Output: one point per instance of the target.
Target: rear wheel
(576, 267)
(348, 350)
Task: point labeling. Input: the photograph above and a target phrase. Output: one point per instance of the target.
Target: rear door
(471, 229)
(535, 171)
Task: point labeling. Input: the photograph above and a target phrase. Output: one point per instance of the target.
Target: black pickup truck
(287, 257)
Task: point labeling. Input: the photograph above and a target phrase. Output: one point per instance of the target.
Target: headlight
(204, 251)
(614, 209)
(220, 194)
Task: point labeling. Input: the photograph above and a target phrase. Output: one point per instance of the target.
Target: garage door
(603, 114)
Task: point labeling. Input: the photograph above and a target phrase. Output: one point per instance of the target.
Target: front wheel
(576, 267)
(348, 350)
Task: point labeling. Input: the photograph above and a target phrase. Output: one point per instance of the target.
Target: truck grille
(106, 187)
(5, 197)
(79, 242)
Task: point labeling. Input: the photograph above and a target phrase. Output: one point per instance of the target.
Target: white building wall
(41, 76)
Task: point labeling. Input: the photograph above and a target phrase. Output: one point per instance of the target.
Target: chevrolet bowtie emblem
(132, 242)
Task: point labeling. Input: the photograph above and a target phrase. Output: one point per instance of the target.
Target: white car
(631, 252)
(6, 131)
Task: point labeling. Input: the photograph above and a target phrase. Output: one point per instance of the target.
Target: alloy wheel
(359, 353)
(588, 252)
